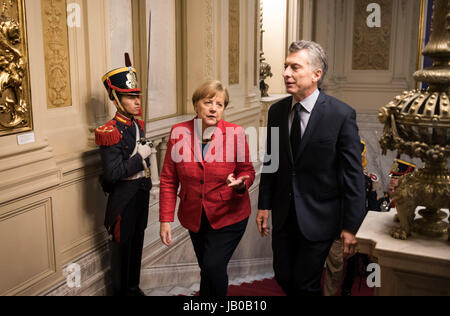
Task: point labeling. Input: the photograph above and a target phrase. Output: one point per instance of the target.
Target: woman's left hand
(237, 184)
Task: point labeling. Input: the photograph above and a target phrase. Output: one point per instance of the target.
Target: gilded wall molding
(256, 37)
(15, 94)
(234, 17)
(209, 42)
(56, 49)
(343, 9)
(372, 45)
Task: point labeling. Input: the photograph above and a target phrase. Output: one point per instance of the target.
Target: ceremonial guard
(126, 179)
(399, 169)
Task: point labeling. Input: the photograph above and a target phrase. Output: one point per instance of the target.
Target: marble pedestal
(417, 266)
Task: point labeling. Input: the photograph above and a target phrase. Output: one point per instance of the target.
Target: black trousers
(126, 254)
(298, 263)
(214, 249)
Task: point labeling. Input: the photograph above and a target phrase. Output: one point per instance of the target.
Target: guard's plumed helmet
(401, 168)
(122, 81)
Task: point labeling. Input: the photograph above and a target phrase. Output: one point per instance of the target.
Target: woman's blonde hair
(209, 90)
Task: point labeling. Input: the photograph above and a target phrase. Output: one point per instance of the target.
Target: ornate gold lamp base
(432, 224)
(428, 187)
(264, 87)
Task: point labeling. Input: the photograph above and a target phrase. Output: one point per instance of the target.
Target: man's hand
(349, 244)
(262, 221)
(165, 232)
(237, 184)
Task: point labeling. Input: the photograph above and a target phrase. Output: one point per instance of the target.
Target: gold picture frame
(15, 89)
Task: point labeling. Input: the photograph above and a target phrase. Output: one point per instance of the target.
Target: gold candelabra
(265, 69)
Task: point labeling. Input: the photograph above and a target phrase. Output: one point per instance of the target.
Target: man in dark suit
(317, 194)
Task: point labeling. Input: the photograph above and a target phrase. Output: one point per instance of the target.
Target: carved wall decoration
(56, 47)
(234, 41)
(15, 96)
(256, 46)
(371, 46)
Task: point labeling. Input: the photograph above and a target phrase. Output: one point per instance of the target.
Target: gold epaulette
(107, 135)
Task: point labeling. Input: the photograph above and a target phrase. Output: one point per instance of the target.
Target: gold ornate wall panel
(56, 49)
(372, 45)
(15, 95)
(234, 39)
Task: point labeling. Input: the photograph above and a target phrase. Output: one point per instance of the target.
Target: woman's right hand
(165, 232)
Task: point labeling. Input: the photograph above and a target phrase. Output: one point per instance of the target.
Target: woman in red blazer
(210, 159)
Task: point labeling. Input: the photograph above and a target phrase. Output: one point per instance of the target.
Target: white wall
(274, 24)
(163, 63)
(162, 81)
(121, 30)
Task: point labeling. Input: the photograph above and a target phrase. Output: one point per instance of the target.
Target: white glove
(144, 150)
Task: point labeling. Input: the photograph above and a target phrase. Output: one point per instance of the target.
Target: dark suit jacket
(326, 177)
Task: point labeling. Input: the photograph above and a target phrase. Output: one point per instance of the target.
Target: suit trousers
(214, 249)
(298, 263)
(126, 255)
